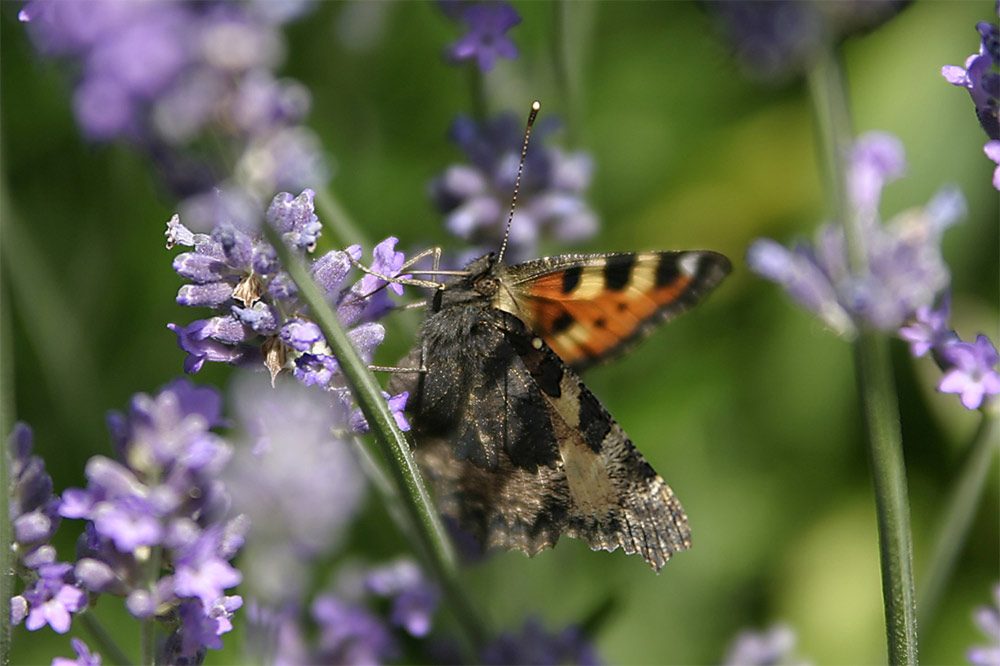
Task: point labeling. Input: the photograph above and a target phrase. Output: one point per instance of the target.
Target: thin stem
(875, 381)
(957, 517)
(885, 441)
(101, 641)
(147, 635)
(6, 426)
(433, 541)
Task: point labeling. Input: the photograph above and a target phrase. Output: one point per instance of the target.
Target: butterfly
(518, 449)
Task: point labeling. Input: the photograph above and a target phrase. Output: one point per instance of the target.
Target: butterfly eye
(486, 285)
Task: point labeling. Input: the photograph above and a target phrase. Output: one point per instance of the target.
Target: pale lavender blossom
(902, 270)
(487, 39)
(971, 371)
(475, 197)
(992, 151)
(350, 634)
(987, 618)
(929, 328)
(296, 478)
(52, 598)
(773, 647)
(414, 598)
(84, 657)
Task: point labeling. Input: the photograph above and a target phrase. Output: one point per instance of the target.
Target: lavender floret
(487, 38)
(987, 618)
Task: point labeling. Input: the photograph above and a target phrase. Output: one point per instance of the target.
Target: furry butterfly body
(518, 449)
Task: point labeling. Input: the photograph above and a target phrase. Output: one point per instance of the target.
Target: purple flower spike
(84, 657)
(752, 648)
(972, 373)
(295, 218)
(487, 39)
(877, 158)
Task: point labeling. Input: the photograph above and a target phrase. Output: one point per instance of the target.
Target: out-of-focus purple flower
(350, 634)
(475, 197)
(397, 404)
(295, 478)
(902, 270)
(414, 598)
(487, 38)
(776, 39)
(992, 151)
(165, 75)
(767, 648)
(929, 328)
(84, 657)
(971, 371)
(52, 598)
(534, 645)
(988, 620)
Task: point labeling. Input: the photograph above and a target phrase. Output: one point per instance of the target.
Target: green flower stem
(959, 512)
(875, 382)
(878, 396)
(432, 541)
(6, 426)
(101, 642)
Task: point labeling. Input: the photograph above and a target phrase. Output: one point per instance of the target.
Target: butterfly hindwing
(590, 308)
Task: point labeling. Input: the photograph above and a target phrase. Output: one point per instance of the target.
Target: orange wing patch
(585, 313)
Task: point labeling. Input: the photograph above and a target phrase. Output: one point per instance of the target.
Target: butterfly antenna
(535, 106)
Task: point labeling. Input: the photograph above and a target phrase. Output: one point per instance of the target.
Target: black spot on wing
(617, 271)
(666, 270)
(571, 278)
(562, 322)
(595, 422)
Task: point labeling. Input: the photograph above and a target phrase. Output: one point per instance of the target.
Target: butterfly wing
(556, 463)
(590, 308)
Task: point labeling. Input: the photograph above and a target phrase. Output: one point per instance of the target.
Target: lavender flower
(988, 620)
(903, 270)
(776, 39)
(350, 634)
(414, 599)
(52, 598)
(487, 39)
(534, 645)
(767, 648)
(32, 508)
(165, 75)
(295, 478)
(971, 371)
(980, 76)
(260, 320)
(163, 492)
(84, 657)
(476, 197)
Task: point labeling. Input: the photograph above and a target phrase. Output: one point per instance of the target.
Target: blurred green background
(747, 406)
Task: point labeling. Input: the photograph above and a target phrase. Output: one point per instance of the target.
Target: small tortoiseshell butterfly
(518, 449)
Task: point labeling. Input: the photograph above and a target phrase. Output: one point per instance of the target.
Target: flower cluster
(902, 269)
(475, 197)
(177, 80)
(159, 530)
(347, 624)
(980, 76)
(260, 319)
(84, 657)
(487, 39)
(988, 620)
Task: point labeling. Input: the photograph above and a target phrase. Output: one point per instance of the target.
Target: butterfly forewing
(590, 308)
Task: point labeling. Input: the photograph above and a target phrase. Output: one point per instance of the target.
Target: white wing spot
(689, 263)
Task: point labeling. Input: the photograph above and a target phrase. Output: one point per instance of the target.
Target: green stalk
(953, 531)
(875, 382)
(6, 425)
(432, 540)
